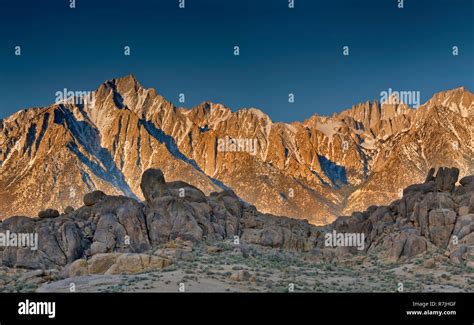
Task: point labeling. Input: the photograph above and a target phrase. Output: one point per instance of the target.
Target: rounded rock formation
(153, 184)
(48, 213)
(93, 197)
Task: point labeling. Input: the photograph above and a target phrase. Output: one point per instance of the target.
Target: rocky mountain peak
(125, 83)
(329, 163)
(459, 100)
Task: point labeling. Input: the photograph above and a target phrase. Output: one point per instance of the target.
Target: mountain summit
(316, 169)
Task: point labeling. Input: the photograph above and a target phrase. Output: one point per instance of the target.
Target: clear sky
(282, 50)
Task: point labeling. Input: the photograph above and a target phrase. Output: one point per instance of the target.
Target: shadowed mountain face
(316, 169)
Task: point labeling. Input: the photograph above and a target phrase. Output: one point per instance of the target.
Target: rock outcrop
(93, 197)
(48, 213)
(174, 210)
(113, 234)
(116, 263)
(435, 214)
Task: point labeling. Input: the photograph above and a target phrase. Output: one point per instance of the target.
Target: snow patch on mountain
(329, 128)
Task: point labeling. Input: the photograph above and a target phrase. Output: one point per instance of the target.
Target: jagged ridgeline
(317, 169)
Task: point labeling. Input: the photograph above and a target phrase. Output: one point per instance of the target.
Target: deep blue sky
(282, 50)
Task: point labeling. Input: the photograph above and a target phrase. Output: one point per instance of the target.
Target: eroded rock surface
(438, 214)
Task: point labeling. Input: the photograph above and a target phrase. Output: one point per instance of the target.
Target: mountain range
(317, 169)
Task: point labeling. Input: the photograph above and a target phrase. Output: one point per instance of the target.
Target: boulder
(422, 188)
(459, 253)
(59, 242)
(78, 268)
(71, 241)
(137, 263)
(100, 263)
(441, 224)
(186, 191)
(116, 263)
(467, 182)
(68, 210)
(430, 177)
(464, 226)
(420, 217)
(176, 219)
(153, 184)
(405, 244)
(121, 226)
(414, 245)
(93, 197)
(446, 178)
(48, 213)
